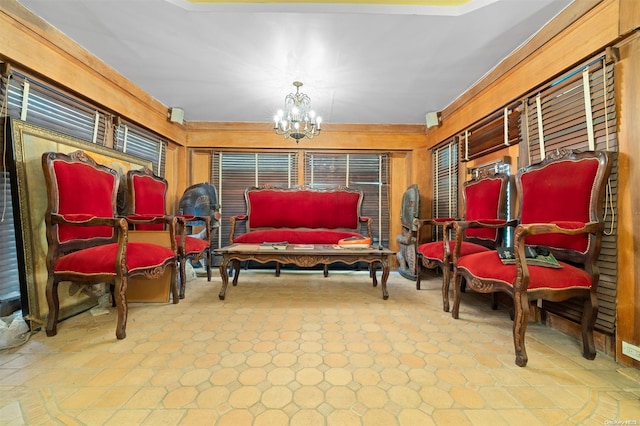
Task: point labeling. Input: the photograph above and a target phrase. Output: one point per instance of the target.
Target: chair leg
(520, 322)
(183, 276)
(121, 307)
(446, 280)
(589, 315)
(326, 270)
(457, 283)
(209, 260)
(277, 269)
(174, 284)
(418, 271)
(54, 306)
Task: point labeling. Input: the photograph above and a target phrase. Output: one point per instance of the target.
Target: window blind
(30, 99)
(367, 172)
(9, 274)
(233, 172)
(136, 141)
(578, 111)
(445, 183)
(492, 133)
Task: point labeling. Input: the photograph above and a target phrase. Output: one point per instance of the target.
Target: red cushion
(101, 259)
(295, 236)
(303, 209)
(435, 250)
(483, 202)
(560, 191)
(148, 199)
(489, 266)
(75, 181)
(193, 244)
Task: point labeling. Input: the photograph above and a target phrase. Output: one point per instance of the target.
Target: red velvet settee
(300, 215)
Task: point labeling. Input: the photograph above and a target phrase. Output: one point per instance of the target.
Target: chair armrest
(567, 228)
(234, 219)
(120, 225)
(84, 220)
(419, 224)
(149, 219)
(460, 226)
(368, 221)
(528, 229)
(183, 221)
(169, 220)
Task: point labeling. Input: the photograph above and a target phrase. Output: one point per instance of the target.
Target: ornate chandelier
(297, 120)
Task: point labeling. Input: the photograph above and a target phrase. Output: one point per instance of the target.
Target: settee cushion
(435, 250)
(295, 236)
(192, 244)
(489, 266)
(99, 260)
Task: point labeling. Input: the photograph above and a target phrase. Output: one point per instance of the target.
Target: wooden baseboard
(604, 342)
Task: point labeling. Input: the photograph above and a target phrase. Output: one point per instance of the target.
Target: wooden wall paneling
(628, 290)
(31, 43)
(422, 175)
(586, 36)
(171, 174)
(199, 167)
(400, 177)
(629, 16)
(596, 29)
(336, 136)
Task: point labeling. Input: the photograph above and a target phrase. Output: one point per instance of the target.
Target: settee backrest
(335, 208)
(78, 188)
(146, 196)
(485, 198)
(566, 189)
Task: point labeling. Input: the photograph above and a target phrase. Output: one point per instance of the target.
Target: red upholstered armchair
(560, 211)
(146, 196)
(485, 200)
(87, 243)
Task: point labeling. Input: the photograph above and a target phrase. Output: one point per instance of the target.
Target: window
(445, 183)
(492, 133)
(136, 141)
(233, 172)
(32, 101)
(368, 173)
(9, 274)
(578, 111)
(28, 99)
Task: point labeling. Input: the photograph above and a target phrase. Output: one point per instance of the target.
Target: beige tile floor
(306, 350)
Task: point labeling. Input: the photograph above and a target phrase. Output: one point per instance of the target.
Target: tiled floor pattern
(306, 350)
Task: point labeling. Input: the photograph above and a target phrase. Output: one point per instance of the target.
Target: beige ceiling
(380, 62)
